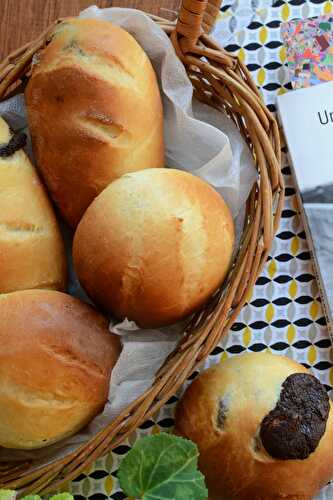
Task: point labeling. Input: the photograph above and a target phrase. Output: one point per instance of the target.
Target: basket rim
(220, 80)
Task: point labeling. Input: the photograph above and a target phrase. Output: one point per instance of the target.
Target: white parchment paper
(198, 139)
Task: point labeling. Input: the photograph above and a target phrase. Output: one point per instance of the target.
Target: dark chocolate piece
(18, 141)
(293, 429)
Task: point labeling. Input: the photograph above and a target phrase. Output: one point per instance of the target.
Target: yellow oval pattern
(261, 77)
(328, 7)
(108, 485)
(247, 336)
(312, 355)
(263, 35)
(285, 12)
(292, 289)
(291, 334)
(249, 296)
(109, 462)
(241, 55)
(155, 430)
(331, 376)
(272, 268)
(294, 245)
(282, 90)
(224, 356)
(314, 309)
(269, 313)
(283, 54)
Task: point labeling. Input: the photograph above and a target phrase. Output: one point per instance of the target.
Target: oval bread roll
(31, 248)
(154, 246)
(55, 365)
(94, 111)
(264, 428)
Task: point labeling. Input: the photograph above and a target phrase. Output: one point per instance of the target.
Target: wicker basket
(223, 82)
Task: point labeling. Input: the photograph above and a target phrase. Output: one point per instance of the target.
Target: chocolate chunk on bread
(293, 429)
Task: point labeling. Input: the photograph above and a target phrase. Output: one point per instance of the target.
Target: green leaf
(31, 497)
(162, 467)
(7, 495)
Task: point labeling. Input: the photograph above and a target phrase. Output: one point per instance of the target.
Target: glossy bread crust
(154, 246)
(94, 111)
(55, 365)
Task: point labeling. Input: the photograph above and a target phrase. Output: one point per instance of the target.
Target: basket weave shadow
(223, 82)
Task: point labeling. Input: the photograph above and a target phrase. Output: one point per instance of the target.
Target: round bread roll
(264, 428)
(32, 253)
(94, 111)
(154, 246)
(55, 365)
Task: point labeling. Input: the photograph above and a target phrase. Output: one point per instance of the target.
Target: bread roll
(94, 111)
(154, 246)
(264, 428)
(31, 247)
(55, 364)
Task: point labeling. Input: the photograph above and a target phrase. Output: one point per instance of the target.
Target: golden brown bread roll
(55, 364)
(31, 248)
(264, 428)
(94, 111)
(154, 245)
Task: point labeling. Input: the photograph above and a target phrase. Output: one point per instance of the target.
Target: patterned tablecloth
(284, 313)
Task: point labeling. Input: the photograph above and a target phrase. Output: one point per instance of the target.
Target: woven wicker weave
(223, 82)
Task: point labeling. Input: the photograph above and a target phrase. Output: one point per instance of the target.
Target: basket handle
(196, 17)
